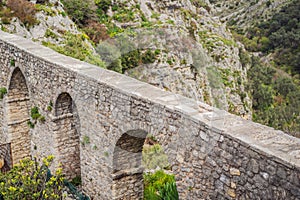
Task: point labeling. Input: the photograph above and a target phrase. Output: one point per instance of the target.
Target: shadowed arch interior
(127, 165)
(64, 104)
(18, 116)
(67, 136)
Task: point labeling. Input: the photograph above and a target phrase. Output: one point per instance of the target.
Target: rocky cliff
(197, 56)
(244, 14)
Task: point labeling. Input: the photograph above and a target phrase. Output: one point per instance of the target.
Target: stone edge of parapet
(224, 123)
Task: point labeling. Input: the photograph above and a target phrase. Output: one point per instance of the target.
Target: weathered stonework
(100, 119)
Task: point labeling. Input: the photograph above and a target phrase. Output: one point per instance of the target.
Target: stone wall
(18, 116)
(67, 136)
(105, 116)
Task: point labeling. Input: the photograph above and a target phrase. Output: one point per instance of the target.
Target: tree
(80, 11)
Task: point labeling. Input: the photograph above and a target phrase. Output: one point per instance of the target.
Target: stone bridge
(95, 122)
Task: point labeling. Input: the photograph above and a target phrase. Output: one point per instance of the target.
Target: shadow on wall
(67, 136)
(18, 102)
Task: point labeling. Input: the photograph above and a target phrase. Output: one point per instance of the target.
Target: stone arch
(127, 165)
(18, 103)
(67, 135)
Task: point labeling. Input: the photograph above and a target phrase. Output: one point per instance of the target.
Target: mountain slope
(183, 46)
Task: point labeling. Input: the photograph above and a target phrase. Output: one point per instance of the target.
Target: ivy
(3, 91)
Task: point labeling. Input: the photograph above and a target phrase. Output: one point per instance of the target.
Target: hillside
(272, 40)
(205, 50)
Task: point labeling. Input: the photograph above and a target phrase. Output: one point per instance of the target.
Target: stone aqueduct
(95, 123)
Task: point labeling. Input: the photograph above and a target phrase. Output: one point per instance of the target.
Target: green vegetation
(279, 35)
(34, 113)
(36, 116)
(275, 86)
(76, 181)
(31, 180)
(51, 34)
(123, 55)
(12, 62)
(80, 11)
(160, 186)
(76, 47)
(214, 77)
(276, 98)
(154, 156)
(211, 41)
(85, 140)
(3, 91)
(46, 9)
(50, 106)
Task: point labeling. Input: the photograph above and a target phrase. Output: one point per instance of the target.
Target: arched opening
(129, 164)
(67, 136)
(18, 116)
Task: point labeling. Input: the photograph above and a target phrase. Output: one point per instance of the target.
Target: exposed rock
(245, 13)
(235, 172)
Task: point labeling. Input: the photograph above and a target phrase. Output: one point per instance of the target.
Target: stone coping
(265, 140)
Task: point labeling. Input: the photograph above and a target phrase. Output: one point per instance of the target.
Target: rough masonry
(95, 122)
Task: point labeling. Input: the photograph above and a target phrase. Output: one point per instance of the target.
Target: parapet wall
(213, 154)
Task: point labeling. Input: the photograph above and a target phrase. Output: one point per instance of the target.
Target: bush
(5, 15)
(31, 180)
(35, 113)
(3, 91)
(160, 186)
(80, 11)
(103, 5)
(97, 32)
(76, 47)
(24, 10)
(154, 157)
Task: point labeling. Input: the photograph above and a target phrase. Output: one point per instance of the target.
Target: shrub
(3, 91)
(6, 15)
(76, 181)
(103, 4)
(32, 180)
(34, 113)
(160, 186)
(76, 47)
(24, 10)
(148, 57)
(97, 32)
(154, 156)
(80, 11)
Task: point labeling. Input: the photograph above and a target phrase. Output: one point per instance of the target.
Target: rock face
(200, 59)
(245, 13)
(51, 19)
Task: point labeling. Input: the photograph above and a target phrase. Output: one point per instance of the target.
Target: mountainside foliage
(273, 76)
(276, 98)
(281, 35)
